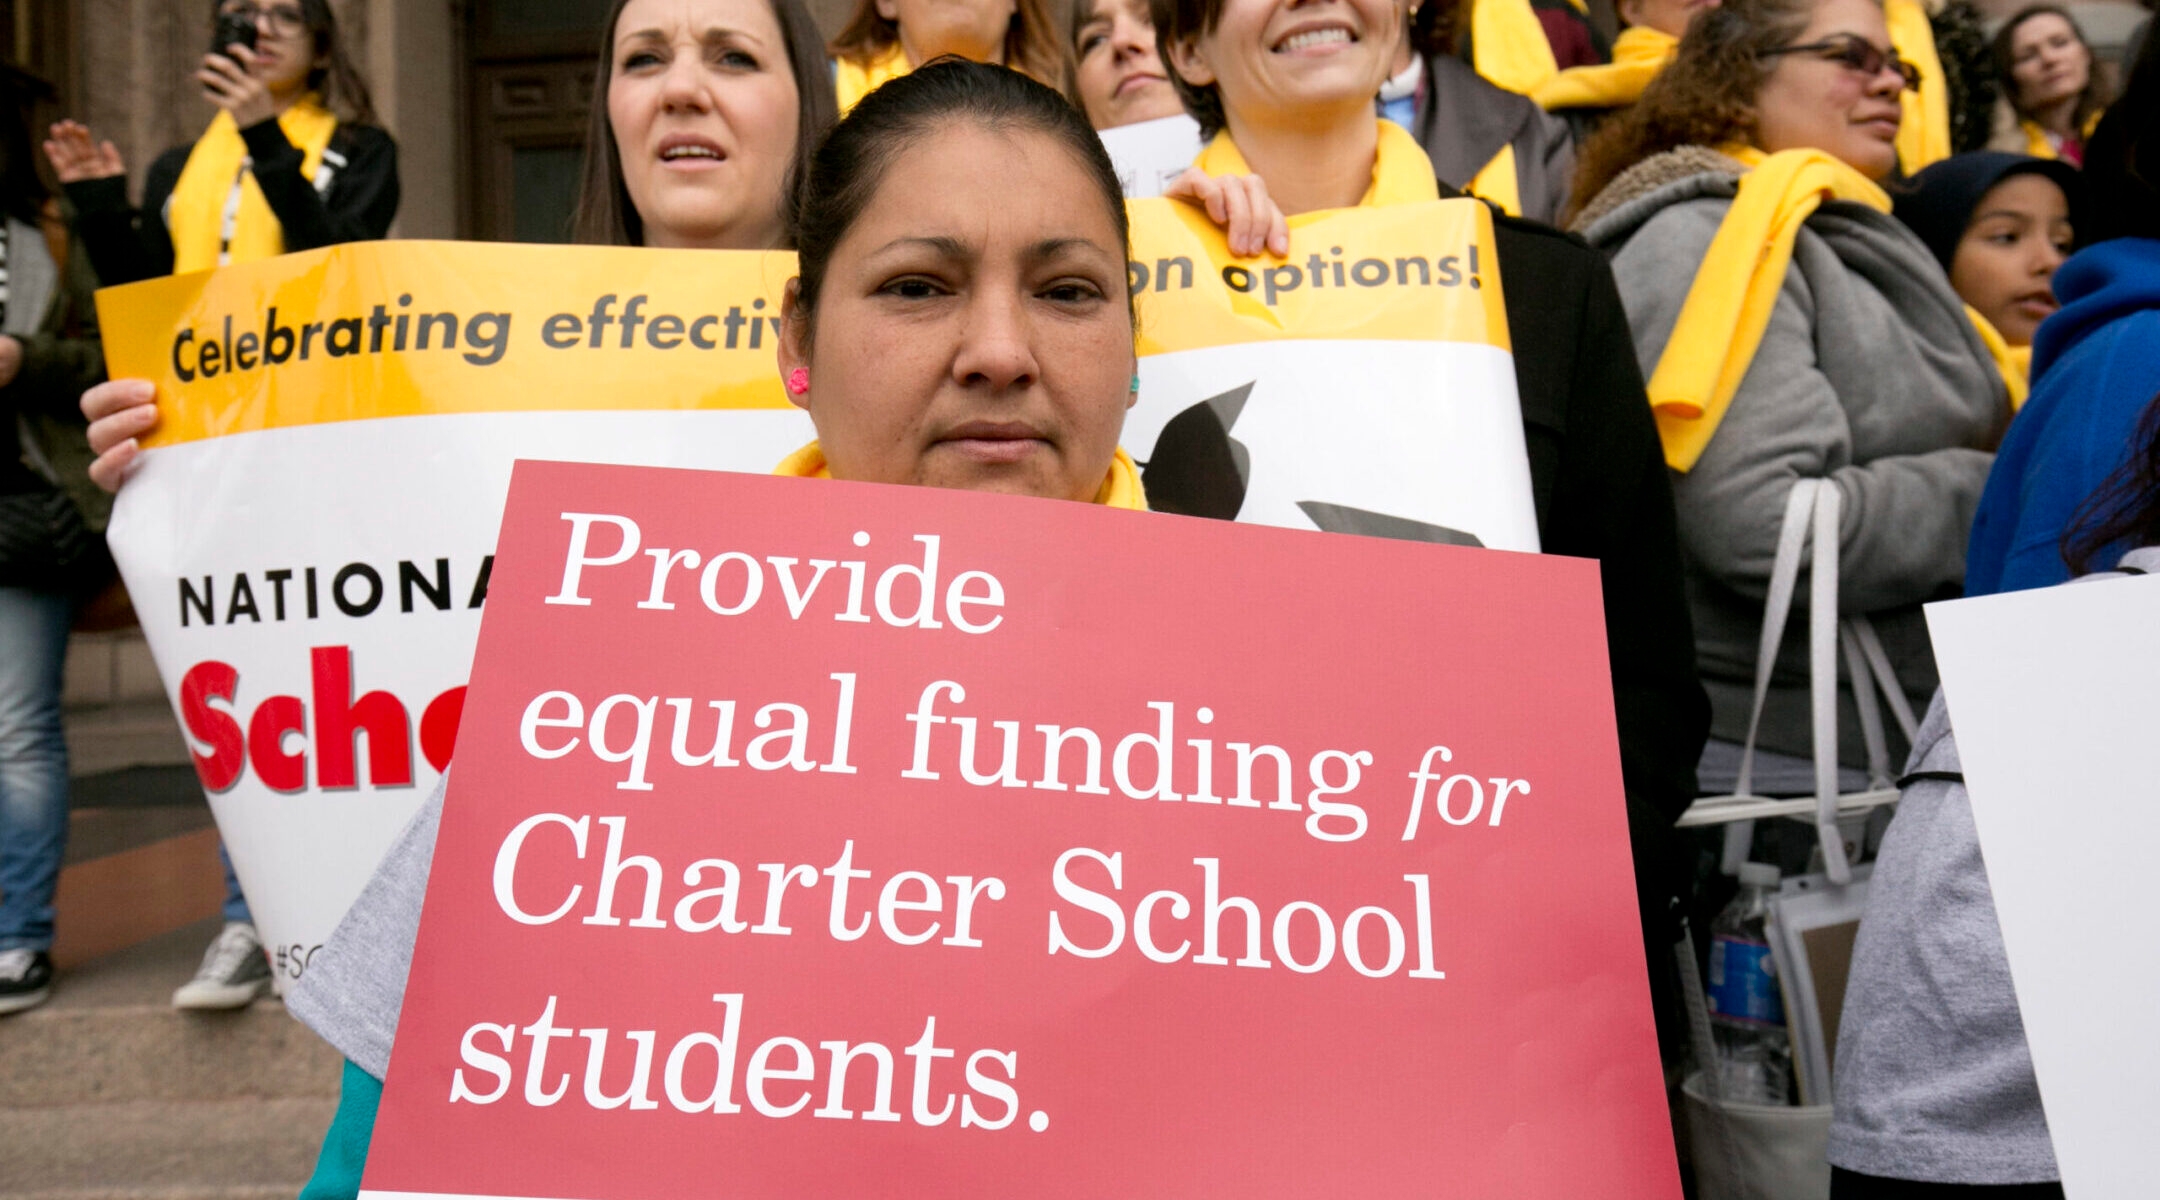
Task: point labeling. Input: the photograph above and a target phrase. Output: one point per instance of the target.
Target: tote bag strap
(1784, 577)
(1822, 677)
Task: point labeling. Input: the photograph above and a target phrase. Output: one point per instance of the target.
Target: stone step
(111, 1036)
(162, 1148)
(136, 732)
(109, 667)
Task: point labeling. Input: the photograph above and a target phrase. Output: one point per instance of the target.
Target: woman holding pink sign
(956, 322)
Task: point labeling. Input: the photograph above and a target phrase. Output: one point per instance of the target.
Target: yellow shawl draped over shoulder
(855, 78)
(216, 184)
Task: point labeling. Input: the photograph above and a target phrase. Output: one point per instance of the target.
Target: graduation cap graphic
(1199, 470)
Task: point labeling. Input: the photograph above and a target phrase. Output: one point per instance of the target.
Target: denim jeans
(33, 764)
(236, 905)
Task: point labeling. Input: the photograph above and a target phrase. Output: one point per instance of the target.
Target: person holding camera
(292, 161)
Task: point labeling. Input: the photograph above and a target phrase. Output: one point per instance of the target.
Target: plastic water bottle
(1747, 1012)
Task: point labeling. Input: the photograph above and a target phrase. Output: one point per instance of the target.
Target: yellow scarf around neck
(1638, 55)
(2013, 362)
(1120, 488)
(855, 78)
(1402, 174)
(1727, 308)
(1923, 135)
(2041, 144)
(1508, 46)
(215, 177)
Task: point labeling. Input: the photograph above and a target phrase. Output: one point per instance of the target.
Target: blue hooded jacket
(2096, 366)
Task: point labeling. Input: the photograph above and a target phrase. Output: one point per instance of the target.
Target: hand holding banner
(827, 839)
(1363, 384)
(311, 541)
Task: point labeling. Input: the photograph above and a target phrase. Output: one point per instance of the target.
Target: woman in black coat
(1597, 469)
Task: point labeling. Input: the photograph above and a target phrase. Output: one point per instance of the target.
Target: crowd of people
(1744, 245)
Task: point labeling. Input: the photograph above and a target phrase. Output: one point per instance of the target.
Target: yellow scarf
(1637, 56)
(855, 78)
(1120, 488)
(1727, 308)
(1923, 135)
(214, 178)
(1508, 45)
(1402, 174)
(2041, 144)
(2013, 362)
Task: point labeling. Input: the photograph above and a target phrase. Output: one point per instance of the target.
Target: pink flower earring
(798, 381)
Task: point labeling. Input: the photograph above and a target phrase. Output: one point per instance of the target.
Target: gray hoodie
(1870, 375)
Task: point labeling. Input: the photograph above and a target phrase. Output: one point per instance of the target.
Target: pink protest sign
(815, 839)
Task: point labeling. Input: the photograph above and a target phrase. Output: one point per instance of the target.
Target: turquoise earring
(1135, 388)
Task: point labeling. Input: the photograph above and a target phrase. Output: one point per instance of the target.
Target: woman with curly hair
(2049, 75)
(1792, 329)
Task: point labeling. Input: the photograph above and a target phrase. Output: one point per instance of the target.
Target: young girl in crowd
(2094, 362)
(886, 39)
(2054, 90)
(900, 357)
(1305, 124)
(1118, 78)
(292, 161)
(1482, 139)
(1787, 341)
(2000, 224)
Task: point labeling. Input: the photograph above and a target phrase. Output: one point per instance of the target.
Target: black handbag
(44, 543)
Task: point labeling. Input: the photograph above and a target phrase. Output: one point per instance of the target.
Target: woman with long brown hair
(2051, 82)
(886, 39)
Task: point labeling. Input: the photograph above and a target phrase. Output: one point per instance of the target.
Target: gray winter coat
(1870, 375)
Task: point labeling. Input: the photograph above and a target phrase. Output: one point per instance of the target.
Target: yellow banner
(386, 329)
(1403, 272)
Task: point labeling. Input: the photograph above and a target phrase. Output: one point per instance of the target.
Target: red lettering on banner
(204, 682)
(338, 717)
(223, 752)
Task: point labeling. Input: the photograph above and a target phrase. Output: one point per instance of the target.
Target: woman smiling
(1285, 88)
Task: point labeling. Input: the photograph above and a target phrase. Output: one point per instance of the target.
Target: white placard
(2055, 696)
(1150, 154)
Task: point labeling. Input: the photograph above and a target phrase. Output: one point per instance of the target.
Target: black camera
(233, 29)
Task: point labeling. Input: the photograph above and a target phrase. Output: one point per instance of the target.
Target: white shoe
(25, 979)
(234, 971)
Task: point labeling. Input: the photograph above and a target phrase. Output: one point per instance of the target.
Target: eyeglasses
(1857, 54)
(286, 20)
